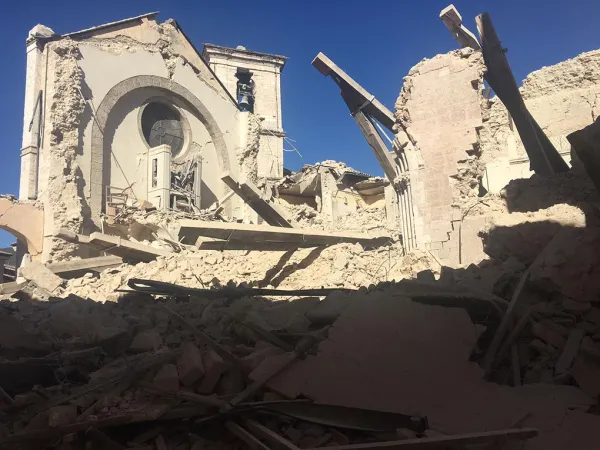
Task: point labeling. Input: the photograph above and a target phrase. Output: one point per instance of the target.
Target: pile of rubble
(342, 266)
(197, 368)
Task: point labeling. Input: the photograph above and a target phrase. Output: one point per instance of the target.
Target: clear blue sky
(375, 42)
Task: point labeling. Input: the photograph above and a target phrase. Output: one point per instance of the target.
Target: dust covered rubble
(72, 361)
(341, 265)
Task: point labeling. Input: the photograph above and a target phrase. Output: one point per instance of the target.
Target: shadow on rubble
(150, 368)
(278, 273)
(533, 194)
(559, 267)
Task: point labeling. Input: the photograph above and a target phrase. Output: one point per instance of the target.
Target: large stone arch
(102, 114)
(26, 223)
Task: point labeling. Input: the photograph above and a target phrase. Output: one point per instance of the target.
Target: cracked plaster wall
(562, 98)
(82, 70)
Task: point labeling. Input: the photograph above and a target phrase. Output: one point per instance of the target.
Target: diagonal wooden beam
(371, 105)
(253, 197)
(544, 158)
(453, 21)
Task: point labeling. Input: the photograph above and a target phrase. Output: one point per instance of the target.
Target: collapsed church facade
(175, 275)
(132, 116)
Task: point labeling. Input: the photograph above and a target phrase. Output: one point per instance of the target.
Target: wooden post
(544, 158)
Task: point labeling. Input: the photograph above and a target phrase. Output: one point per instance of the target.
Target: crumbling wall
(62, 194)
(562, 98)
(366, 218)
(247, 152)
(440, 109)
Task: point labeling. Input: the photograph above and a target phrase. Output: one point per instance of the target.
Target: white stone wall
(97, 63)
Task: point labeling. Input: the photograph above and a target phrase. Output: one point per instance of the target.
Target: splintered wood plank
(253, 442)
(374, 107)
(278, 442)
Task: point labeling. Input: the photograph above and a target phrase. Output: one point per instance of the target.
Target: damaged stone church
(130, 117)
(174, 274)
(132, 114)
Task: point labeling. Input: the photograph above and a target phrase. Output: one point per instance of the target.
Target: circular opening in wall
(161, 124)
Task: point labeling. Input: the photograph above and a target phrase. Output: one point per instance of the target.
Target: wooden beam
(444, 442)
(544, 158)
(253, 197)
(114, 245)
(246, 436)
(372, 106)
(453, 21)
(372, 136)
(278, 442)
(190, 230)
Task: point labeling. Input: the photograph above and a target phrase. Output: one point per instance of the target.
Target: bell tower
(253, 79)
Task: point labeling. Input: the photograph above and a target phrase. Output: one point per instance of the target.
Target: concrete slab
(79, 267)
(41, 276)
(388, 353)
(190, 230)
(118, 246)
(114, 245)
(11, 287)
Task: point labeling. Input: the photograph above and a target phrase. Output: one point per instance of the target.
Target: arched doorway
(26, 223)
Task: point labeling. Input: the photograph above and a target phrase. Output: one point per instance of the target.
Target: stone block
(214, 367)
(189, 364)
(167, 379)
(251, 362)
(146, 341)
(576, 307)
(42, 276)
(62, 415)
(329, 309)
(548, 335)
(231, 382)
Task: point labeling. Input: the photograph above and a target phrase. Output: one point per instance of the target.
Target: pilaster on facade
(32, 111)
